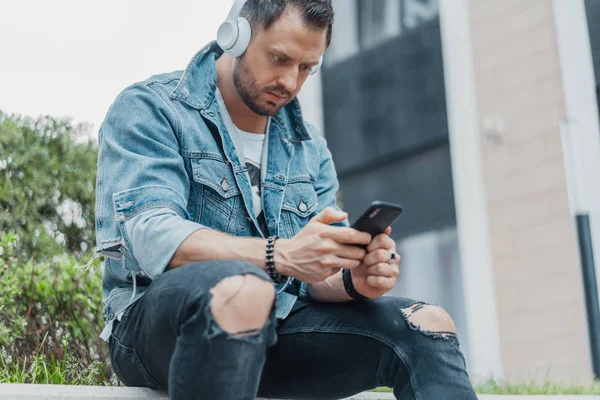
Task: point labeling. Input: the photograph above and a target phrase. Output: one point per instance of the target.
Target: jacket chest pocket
(215, 195)
(299, 203)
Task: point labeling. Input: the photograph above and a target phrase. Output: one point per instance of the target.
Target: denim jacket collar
(198, 85)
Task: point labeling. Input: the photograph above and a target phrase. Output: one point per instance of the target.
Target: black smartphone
(377, 217)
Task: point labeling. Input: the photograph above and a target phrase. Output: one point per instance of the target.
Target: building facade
(481, 118)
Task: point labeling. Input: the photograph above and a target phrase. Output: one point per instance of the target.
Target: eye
(306, 68)
(278, 60)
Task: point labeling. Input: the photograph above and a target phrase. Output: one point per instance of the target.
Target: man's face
(277, 62)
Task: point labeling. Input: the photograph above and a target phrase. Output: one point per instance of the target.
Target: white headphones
(234, 34)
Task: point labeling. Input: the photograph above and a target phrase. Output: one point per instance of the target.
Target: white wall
(467, 175)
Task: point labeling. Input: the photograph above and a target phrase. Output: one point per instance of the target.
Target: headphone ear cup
(317, 67)
(243, 38)
(227, 35)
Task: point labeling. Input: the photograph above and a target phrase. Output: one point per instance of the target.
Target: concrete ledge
(60, 392)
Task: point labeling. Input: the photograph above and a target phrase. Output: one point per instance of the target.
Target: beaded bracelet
(270, 260)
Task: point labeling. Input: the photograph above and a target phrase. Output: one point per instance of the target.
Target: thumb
(329, 215)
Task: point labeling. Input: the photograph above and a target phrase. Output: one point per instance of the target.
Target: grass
(38, 369)
(546, 387)
(58, 372)
(533, 388)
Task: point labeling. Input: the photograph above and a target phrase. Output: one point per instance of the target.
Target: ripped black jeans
(168, 340)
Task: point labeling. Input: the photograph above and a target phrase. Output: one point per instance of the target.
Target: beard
(250, 93)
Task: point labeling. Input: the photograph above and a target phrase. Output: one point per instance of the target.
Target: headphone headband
(235, 11)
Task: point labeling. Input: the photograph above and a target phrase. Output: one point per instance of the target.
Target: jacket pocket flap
(215, 174)
(300, 198)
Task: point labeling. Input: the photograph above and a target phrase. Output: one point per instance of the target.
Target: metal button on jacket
(224, 184)
(302, 207)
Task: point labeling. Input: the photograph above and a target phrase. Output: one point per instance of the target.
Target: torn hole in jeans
(213, 328)
(420, 323)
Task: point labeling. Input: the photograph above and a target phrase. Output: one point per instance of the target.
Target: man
(196, 169)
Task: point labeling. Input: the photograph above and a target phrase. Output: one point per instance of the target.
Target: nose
(289, 79)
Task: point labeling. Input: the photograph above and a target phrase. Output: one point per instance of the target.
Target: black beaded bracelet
(270, 261)
(349, 286)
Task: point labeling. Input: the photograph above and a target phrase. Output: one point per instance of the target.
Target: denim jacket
(168, 167)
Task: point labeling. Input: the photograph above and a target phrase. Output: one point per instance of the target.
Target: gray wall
(386, 126)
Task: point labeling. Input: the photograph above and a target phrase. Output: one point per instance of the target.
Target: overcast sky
(72, 57)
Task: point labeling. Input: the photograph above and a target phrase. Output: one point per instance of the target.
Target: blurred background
(480, 117)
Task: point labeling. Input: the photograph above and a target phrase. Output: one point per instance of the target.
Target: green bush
(50, 310)
(50, 315)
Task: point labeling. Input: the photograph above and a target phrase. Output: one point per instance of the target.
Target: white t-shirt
(252, 145)
(250, 148)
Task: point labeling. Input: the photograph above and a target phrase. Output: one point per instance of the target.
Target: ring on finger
(392, 258)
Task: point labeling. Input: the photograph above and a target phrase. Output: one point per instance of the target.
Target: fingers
(348, 264)
(330, 215)
(382, 241)
(334, 262)
(346, 235)
(383, 275)
(348, 251)
(380, 256)
(381, 282)
(384, 269)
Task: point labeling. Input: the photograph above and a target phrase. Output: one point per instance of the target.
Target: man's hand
(320, 250)
(375, 277)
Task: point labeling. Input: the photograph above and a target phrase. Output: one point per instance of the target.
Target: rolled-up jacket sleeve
(155, 235)
(142, 179)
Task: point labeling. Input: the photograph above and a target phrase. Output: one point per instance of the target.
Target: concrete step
(62, 392)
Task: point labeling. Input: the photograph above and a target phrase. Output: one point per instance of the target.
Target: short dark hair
(317, 14)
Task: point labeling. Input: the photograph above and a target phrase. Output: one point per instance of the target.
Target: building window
(378, 20)
(417, 12)
(364, 24)
(344, 40)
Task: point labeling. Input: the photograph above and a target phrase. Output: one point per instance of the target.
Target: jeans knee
(242, 304)
(430, 320)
